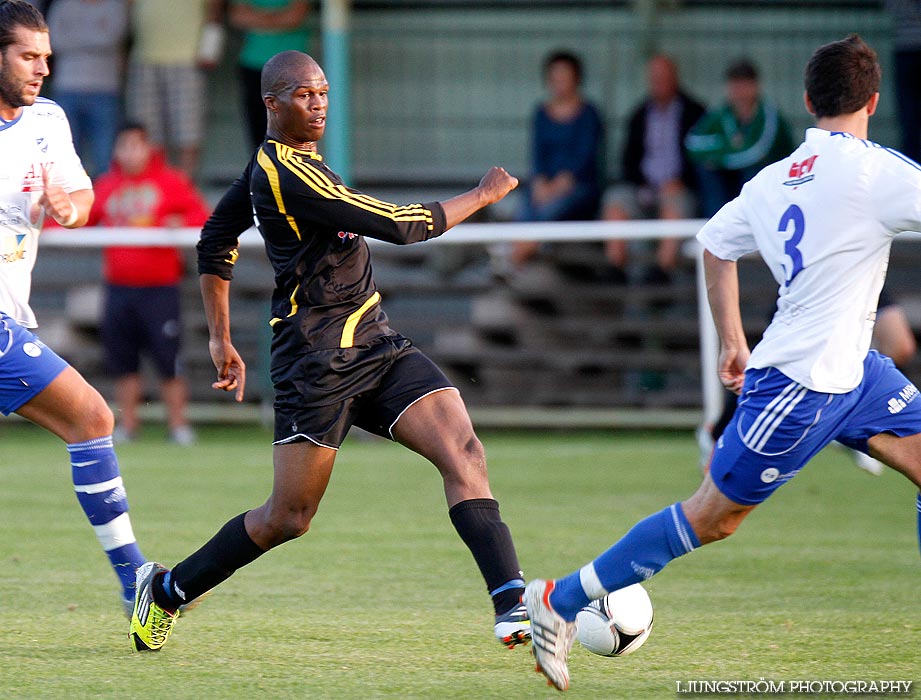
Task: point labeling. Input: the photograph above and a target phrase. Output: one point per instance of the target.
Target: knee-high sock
(99, 488)
(480, 526)
(230, 549)
(640, 554)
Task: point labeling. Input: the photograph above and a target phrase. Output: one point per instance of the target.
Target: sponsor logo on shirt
(10, 214)
(32, 181)
(801, 173)
(13, 248)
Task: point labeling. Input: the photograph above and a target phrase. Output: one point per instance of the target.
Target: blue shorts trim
(779, 425)
(27, 365)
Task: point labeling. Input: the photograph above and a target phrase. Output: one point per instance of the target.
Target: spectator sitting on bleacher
(659, 179)
(732, 143)
(142, 301)
(567, 145)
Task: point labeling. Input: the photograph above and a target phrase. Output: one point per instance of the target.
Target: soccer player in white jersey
(41, 176)
(823, 219)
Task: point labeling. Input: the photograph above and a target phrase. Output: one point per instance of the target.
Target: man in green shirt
(732, 143)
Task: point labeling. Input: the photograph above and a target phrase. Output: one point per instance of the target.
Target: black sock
(480, 526)
(230, 549)
(505, 600)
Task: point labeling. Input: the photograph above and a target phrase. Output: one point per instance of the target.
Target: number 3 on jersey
(793, 215)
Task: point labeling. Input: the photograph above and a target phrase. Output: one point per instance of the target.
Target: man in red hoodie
(141, 313)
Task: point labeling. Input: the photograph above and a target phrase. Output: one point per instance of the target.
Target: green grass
(381, 599)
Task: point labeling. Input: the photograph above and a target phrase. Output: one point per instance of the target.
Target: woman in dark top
(567, 146)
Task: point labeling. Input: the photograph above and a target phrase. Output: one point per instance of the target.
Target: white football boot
(551, 635)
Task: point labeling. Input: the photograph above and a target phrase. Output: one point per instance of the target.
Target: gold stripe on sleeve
(326, 188)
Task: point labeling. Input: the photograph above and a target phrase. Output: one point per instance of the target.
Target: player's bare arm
(723, 293)
(71, 210)
(494, 185)
(231, 370)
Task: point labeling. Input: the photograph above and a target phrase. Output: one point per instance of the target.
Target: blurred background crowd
(617, 111)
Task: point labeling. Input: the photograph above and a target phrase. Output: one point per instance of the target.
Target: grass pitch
(382, 600)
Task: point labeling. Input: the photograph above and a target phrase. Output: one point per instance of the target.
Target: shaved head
(284, 71)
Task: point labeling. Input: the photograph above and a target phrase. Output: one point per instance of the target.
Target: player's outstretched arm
(494, 185)
(231, 370)
(723, 293)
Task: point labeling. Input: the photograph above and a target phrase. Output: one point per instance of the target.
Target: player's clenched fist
(497, 183)
(56, 202)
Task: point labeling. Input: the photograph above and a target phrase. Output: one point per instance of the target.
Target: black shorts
(141, 320)
(320, 394)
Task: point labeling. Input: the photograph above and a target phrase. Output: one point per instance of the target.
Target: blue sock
(644, 551)
(99, 488)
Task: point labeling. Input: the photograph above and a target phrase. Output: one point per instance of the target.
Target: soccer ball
(617, 624)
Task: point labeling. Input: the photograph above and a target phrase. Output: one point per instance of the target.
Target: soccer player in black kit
(335, 360)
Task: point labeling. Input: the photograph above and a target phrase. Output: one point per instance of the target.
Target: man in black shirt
(335, 360)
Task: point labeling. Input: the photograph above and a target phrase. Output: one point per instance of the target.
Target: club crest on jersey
(346, 235)
(801, 173)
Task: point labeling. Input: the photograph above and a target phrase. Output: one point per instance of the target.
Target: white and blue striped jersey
(39, 137)
(823, 219)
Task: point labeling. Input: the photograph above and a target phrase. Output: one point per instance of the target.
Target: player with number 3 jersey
(823, 219)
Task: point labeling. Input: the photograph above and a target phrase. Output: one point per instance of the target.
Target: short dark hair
(743, 69)
(133, 125)
(842, 76)
(567, 57)
(15, 14)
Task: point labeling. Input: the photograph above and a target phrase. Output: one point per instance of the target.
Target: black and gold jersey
(314, 229)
